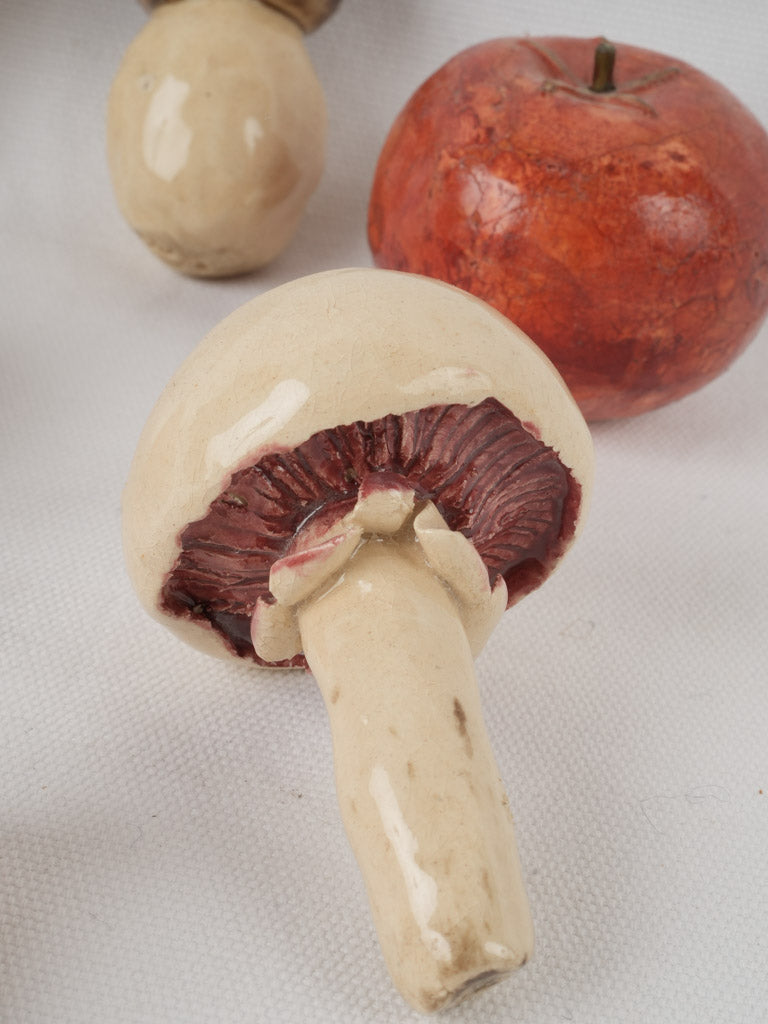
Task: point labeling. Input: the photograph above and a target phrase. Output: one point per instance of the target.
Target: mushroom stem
(417, 783)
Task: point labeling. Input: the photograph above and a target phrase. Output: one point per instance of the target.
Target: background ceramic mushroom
(360, 471)
(216, 130)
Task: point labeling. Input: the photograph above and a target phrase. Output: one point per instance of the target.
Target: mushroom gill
(489, 476)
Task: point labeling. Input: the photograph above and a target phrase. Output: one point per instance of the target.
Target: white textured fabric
(170, 849)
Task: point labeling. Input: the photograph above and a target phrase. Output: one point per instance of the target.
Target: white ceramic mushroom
(358, 472)
(216, 131)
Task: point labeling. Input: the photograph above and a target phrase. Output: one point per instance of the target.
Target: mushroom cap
(309, 14)
(216, 129)
(329, 349)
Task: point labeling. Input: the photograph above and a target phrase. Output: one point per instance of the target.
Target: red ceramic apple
(620, 218)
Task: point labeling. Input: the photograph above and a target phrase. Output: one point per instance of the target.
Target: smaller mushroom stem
(418, 786)
(602, 73)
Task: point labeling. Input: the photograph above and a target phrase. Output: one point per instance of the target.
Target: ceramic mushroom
(216, 130)
(358, 472)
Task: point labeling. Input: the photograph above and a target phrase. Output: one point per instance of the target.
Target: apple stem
(602, 73)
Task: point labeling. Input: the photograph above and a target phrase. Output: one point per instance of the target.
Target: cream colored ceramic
(216, 134)
(315, 561)
(388, 605)
(418, 786)
(389, 610)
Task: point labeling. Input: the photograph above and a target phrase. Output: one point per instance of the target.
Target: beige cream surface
(419, 791)
(390, 607)
(324, 350)
(315, 560)
(216, 134)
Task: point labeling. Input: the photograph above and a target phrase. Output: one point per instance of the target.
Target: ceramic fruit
(618, 214)
(216, 131)
(358, 472)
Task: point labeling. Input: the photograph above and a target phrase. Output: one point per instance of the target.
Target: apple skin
(626, 232)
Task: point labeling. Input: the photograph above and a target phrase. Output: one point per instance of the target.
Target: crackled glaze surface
(216, 134)
(491, 479)
(625, 232)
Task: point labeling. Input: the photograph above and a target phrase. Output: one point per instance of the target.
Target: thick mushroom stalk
(390, 607)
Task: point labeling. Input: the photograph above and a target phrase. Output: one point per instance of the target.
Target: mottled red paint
(626, 232)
